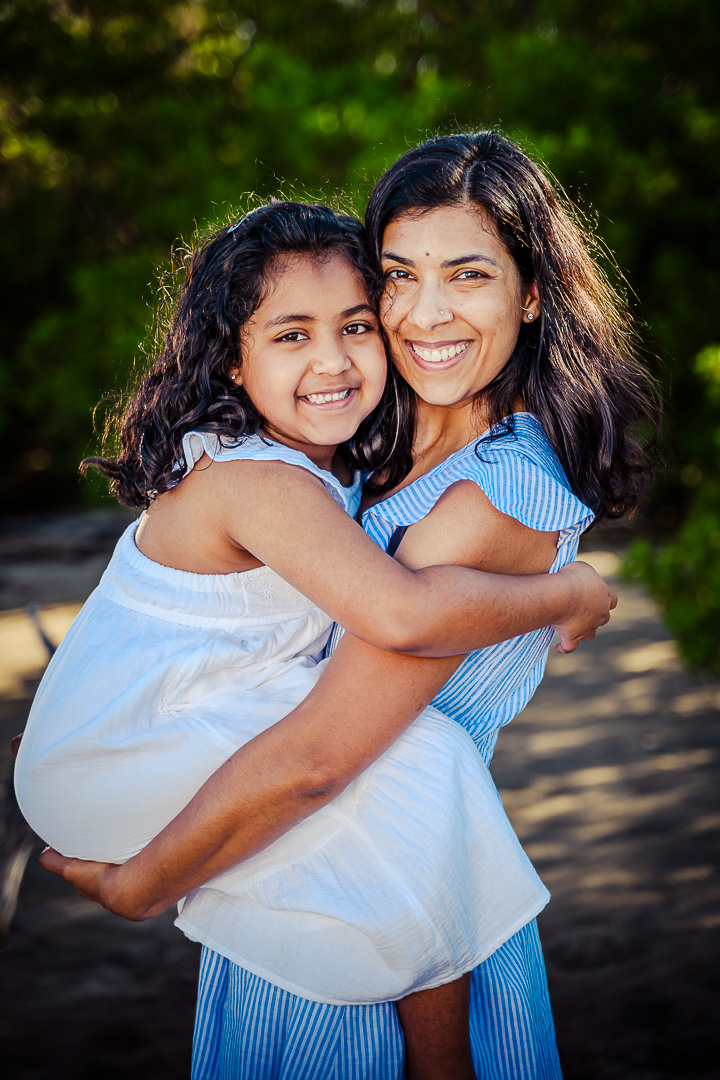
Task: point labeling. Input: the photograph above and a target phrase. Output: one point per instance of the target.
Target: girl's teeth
(321, 399)
(434, 356)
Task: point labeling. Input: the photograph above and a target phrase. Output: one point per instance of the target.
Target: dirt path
(611, 780)
(610, 777)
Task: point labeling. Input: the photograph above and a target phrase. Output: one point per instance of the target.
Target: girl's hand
(590, 604)
(102, 882)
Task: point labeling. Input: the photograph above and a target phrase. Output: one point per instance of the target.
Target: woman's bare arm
(364, 700)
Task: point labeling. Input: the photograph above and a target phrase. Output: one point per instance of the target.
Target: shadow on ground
(610, 778)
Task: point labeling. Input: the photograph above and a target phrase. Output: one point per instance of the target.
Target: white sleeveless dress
(409, 878)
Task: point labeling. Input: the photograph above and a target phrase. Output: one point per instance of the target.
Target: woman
(496, 316)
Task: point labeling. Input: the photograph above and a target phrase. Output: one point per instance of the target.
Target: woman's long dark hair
(577, 368)
(188, 385)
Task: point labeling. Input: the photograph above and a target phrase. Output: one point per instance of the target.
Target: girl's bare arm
(364, 700)
(296, 527)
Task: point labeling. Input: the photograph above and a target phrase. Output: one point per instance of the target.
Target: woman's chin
(432, 392)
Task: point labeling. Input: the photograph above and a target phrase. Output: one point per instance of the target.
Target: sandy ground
(610, 777)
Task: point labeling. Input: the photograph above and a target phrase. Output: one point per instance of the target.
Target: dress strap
(395, 539)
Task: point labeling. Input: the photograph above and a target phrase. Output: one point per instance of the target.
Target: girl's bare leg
(436, 1026)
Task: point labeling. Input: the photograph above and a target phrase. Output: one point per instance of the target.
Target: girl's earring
(530, 316)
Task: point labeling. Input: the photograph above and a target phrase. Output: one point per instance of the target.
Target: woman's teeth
(434, 356)
(321, 399)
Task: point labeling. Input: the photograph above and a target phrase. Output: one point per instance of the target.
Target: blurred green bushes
(684, 572)
(684, 575)
(123, 123)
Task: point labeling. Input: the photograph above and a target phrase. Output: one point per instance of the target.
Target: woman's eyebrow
(475, 256)
(392, 257)
(448, 264)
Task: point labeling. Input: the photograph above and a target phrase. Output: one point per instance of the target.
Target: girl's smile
(332, 397)
(312, 359)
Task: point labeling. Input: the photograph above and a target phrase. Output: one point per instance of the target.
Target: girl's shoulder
(515, 466)
(195, 444)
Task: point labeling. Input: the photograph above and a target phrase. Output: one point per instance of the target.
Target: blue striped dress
(248, 1029)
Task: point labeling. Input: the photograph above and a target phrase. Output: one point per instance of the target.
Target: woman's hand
(590, 604)
(102, 882)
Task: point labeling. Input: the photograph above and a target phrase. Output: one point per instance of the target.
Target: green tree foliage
(122, 123)
(684, 575)
(684, 572)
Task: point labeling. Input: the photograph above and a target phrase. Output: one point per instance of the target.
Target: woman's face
(453, 302)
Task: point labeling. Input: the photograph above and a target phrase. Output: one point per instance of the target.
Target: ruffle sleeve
(259, 448)
(517, 470)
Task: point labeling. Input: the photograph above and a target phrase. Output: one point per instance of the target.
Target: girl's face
(453, 302)
(312, 359)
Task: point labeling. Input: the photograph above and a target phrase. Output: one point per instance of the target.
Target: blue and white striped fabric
(247, 1029)
(521, 475)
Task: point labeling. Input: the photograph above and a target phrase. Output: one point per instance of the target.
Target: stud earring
(530, 316)
(233, 377)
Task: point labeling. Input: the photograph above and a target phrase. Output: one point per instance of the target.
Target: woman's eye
(398, 275)
(470, 275)
(357, 328)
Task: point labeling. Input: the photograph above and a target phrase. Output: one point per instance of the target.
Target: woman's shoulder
(517, 469)
(519, 435)
(520, 473)
(253, 447)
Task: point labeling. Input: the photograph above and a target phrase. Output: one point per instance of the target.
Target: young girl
(246, 442)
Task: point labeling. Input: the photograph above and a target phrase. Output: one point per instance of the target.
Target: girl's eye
(357, 328)
(293, 335)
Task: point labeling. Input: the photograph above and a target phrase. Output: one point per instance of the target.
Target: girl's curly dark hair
(577, 368)
(188, 385)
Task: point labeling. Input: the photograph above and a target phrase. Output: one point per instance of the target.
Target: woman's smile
(438, 353)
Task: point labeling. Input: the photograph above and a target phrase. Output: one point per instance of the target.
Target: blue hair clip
(244, 218)
(237, 224)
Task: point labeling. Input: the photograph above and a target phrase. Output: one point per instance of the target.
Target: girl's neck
(325, 457)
